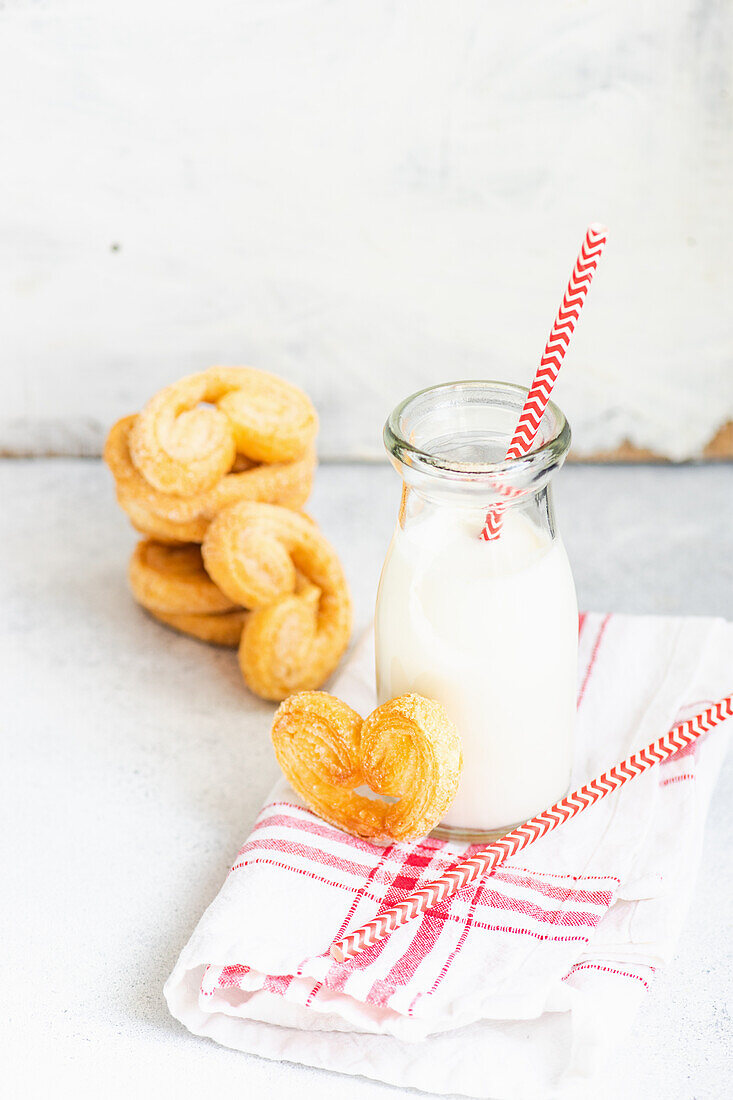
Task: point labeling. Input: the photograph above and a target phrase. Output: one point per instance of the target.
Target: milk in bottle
(487, 628)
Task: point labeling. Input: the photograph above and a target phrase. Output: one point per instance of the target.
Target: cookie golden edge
(223, 629)
(171, 579)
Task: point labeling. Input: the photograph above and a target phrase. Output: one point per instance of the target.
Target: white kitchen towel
(522, 982)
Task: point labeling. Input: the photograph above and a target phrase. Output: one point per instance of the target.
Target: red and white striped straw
(551, 361)
(488, 859)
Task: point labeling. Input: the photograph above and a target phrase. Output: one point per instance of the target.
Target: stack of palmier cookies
(214, 471)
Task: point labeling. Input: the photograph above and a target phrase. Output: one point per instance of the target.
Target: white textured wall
(367, 197)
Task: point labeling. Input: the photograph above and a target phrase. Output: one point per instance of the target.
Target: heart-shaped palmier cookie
(407, 750)
(168, 516)
(189, 434)
(277, 563)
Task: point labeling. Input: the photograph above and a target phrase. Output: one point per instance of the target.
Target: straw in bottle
(551, 361)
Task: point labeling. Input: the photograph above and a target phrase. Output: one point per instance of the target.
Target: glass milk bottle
(489, 628)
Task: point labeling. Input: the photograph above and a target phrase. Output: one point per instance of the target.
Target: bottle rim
(554, 431)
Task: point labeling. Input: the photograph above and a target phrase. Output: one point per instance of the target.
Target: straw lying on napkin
(524, 981)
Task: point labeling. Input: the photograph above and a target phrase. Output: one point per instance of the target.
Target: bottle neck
(535, 507)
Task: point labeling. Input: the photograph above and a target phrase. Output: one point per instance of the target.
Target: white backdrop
(367, 198)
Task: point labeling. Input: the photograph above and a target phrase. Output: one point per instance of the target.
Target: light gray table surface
(134, 763)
